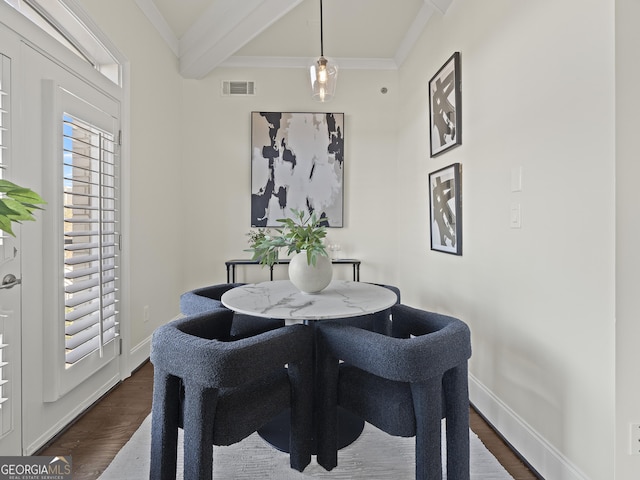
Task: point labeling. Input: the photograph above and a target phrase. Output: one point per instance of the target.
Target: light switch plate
(634, 439)
(516, 179)
(516, 219)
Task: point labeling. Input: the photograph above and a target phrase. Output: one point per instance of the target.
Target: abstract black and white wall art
(446, 209)
(297, 162)
(445, 107)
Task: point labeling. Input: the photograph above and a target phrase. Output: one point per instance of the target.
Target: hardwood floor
(500, 449)
(95, 438)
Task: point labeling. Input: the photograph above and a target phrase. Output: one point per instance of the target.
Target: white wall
(217, 168)
(627, 233)
(155, 240)
(538, 82)
(537, 89)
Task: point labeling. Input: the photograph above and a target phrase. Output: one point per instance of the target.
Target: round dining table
(281, 299)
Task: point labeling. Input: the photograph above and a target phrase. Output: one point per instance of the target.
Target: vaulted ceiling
(206, 34)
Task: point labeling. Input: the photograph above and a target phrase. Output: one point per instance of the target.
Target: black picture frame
(297, 162)
(445, 209)
(445, 107)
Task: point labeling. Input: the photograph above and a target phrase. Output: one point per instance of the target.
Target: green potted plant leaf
(303, 235)
(17, 204)
(304, 232)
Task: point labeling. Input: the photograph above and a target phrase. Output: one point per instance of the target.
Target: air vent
(238, 88)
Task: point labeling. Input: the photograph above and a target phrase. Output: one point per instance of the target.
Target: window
(83, 236)
(90, 238)
(57, 19)
(9, 303)
(4, 114)
(3, 380)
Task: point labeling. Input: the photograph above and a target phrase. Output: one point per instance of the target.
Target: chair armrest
(221, 364)
(406, 360)
(204, 299)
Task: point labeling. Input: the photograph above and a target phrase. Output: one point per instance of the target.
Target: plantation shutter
(4, 135)
(10, 303)
(91, 238)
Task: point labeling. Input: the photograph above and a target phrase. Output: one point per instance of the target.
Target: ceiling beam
(441, 5)
(415, 30)
(224, 28)
(158, 21)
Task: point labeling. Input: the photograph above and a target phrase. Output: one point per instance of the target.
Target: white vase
(309, 278)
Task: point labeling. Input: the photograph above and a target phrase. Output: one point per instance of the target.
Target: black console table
(231, 267)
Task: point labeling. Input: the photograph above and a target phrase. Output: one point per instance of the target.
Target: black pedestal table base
(281, 299)
(276, 432)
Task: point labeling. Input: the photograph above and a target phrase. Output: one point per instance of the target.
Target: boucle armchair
(220, 391)
(403, 384)
(379, 322)
(208, 298)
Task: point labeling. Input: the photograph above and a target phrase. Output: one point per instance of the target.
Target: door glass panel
(90, 238)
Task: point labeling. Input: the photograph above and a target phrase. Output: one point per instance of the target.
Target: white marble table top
(280, 299)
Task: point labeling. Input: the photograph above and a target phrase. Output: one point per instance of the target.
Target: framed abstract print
(445, 107)
(297, 162)
(445, 209)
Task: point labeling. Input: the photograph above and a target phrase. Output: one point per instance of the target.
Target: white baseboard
(538, 453)
(139, 354)
(69, 417)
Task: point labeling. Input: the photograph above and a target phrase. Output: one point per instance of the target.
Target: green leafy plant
(17, 205)
(304, 232)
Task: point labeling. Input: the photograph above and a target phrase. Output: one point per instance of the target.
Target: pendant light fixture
(324, 73)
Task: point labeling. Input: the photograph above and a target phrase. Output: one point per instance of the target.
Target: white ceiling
(206, 34)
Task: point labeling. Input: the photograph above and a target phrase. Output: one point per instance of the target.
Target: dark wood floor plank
(499, 448)
(95, 438)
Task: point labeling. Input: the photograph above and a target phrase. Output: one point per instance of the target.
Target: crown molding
(228, 25)
(304, 62)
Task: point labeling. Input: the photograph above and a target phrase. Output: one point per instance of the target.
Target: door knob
(10, 281)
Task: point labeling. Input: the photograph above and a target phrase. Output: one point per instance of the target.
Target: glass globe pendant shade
(324, 77)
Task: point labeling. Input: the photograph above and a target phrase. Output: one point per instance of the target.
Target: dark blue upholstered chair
(403, 384)
(379, 322)
(208, 298)
(220, 391)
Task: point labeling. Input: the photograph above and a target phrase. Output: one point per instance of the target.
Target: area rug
(373, 456)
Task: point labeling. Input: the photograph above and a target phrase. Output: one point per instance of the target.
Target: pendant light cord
(321, 38)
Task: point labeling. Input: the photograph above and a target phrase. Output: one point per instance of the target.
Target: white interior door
(10, 290)
(60, 275)
(70, 254)
(10, 346)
